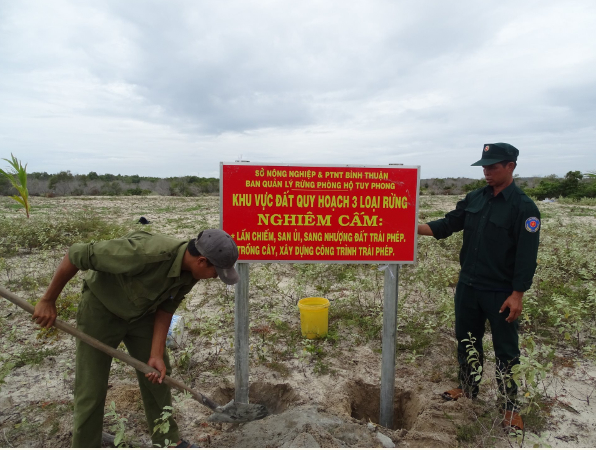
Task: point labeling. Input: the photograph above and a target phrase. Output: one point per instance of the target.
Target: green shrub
(474, 185)
(111, 188)
(44, 233)
(137, 191)
(32, 356)
(562, 303)
(572, 186)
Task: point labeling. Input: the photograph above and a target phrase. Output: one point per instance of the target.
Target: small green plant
(184, 360)
(332, 337)
(484, 431)
(5, 370)
(314, 350)
(182, 398)
(473, 358)
(18, 179)
(468, 432)
(67, 305)
(162, 424)
(412, 357)
(119, 425)
(530, 373)
(26, 283)
(279, 367)
(322, 367)
(32, 356)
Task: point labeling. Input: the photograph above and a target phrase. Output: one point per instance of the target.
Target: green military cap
(494, 153)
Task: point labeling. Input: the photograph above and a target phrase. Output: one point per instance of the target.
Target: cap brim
(228, 276)
(487, 162)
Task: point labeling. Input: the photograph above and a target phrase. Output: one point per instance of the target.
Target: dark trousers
(472, 308)
(93, 368)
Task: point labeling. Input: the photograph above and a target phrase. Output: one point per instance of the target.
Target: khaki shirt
(134, 275)
(501, 236)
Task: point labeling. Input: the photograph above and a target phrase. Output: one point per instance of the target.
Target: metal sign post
(389, 338)
(241, 326)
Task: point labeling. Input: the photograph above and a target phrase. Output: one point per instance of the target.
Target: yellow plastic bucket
(314, 317)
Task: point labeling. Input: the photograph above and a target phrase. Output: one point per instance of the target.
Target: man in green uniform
(130, 293)
(498, 260)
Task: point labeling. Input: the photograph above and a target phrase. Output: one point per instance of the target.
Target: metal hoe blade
(238, 413)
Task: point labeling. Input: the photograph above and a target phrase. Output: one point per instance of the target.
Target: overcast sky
(171, 88)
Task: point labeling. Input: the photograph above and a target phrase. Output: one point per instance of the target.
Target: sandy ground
(574, 417)
(307, 410)
(338, 409)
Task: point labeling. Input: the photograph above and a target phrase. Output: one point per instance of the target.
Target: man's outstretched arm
(45, 311)
(425, 230)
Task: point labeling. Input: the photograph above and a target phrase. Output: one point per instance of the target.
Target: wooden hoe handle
(140, 366)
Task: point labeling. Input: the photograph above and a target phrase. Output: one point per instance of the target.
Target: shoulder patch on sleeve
(532, 224)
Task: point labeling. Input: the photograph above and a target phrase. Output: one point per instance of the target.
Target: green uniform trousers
(93, 368)
(472, 308)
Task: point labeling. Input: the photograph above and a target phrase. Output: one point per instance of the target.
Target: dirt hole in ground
(365, 403)
(126, 397)
(275, 397)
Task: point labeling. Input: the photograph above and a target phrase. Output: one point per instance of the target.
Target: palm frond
(18, 199)
(18, 179)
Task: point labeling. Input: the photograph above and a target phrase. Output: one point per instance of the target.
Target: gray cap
(221, 250)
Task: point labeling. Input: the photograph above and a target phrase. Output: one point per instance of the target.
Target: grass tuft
(19, 234)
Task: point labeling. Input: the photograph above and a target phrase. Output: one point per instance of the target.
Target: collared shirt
(134, 275)
(501, 236)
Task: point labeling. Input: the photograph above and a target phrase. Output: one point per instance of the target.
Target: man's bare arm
(45, 311)
(425, 230)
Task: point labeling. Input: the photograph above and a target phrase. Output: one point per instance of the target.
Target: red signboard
(343, 214)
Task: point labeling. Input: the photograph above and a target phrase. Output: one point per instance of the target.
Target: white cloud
(172, 88)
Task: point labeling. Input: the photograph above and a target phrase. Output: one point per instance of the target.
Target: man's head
(498, 161)
(216, 254)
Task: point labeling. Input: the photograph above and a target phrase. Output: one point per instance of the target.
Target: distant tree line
(573, 185)
(66, 184)
(460, 186)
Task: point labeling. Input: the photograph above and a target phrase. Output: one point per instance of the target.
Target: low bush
(20, 234)
(572, 186)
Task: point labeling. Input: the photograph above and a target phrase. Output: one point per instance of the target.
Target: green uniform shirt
(501, 237)
(136, 274)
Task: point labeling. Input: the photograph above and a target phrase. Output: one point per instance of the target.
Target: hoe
(231, 412)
